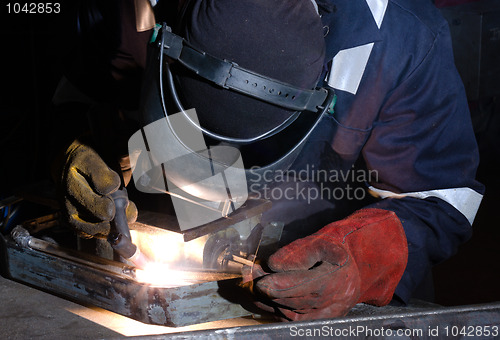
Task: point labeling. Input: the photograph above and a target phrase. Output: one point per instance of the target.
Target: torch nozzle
(139, 259)
(126, 249)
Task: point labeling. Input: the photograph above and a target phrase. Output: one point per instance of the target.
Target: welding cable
(9, 212)
(5, 213)
(9, 208)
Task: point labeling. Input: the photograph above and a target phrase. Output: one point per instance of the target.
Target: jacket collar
(352, 24)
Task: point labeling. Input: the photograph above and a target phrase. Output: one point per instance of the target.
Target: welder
(381, 184)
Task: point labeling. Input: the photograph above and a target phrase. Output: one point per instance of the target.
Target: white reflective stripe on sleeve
(377, 7)
(464, 200)
(348, 67)
(315, 6)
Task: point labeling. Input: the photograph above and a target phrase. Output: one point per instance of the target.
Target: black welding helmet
(230, 98)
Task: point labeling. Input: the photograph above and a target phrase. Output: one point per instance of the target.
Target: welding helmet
(229, 100)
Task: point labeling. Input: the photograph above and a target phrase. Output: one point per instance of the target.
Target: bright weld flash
(160, 274)
(168, 254)
(168, 247)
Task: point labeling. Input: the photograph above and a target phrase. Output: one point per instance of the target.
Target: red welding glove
(87, 182)
(358, 259)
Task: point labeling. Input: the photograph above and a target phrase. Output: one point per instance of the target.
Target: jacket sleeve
(424, 152)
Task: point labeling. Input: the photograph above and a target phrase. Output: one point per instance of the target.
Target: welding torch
(119, 236)
(108, 128)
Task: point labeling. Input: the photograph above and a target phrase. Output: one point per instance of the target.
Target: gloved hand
(87, 182)
(358, 259)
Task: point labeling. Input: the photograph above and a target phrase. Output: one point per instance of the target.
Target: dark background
(33, 49)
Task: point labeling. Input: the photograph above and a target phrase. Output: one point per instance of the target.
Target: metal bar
(38, 224)
(206, 276)
(161, 305)
(369, 322)
(23, 238)
(251, 208)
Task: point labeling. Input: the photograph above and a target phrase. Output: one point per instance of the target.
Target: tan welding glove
(87, 182)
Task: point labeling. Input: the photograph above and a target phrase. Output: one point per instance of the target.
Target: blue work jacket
(402, 110)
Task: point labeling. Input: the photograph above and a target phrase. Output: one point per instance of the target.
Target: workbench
(26, 312)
